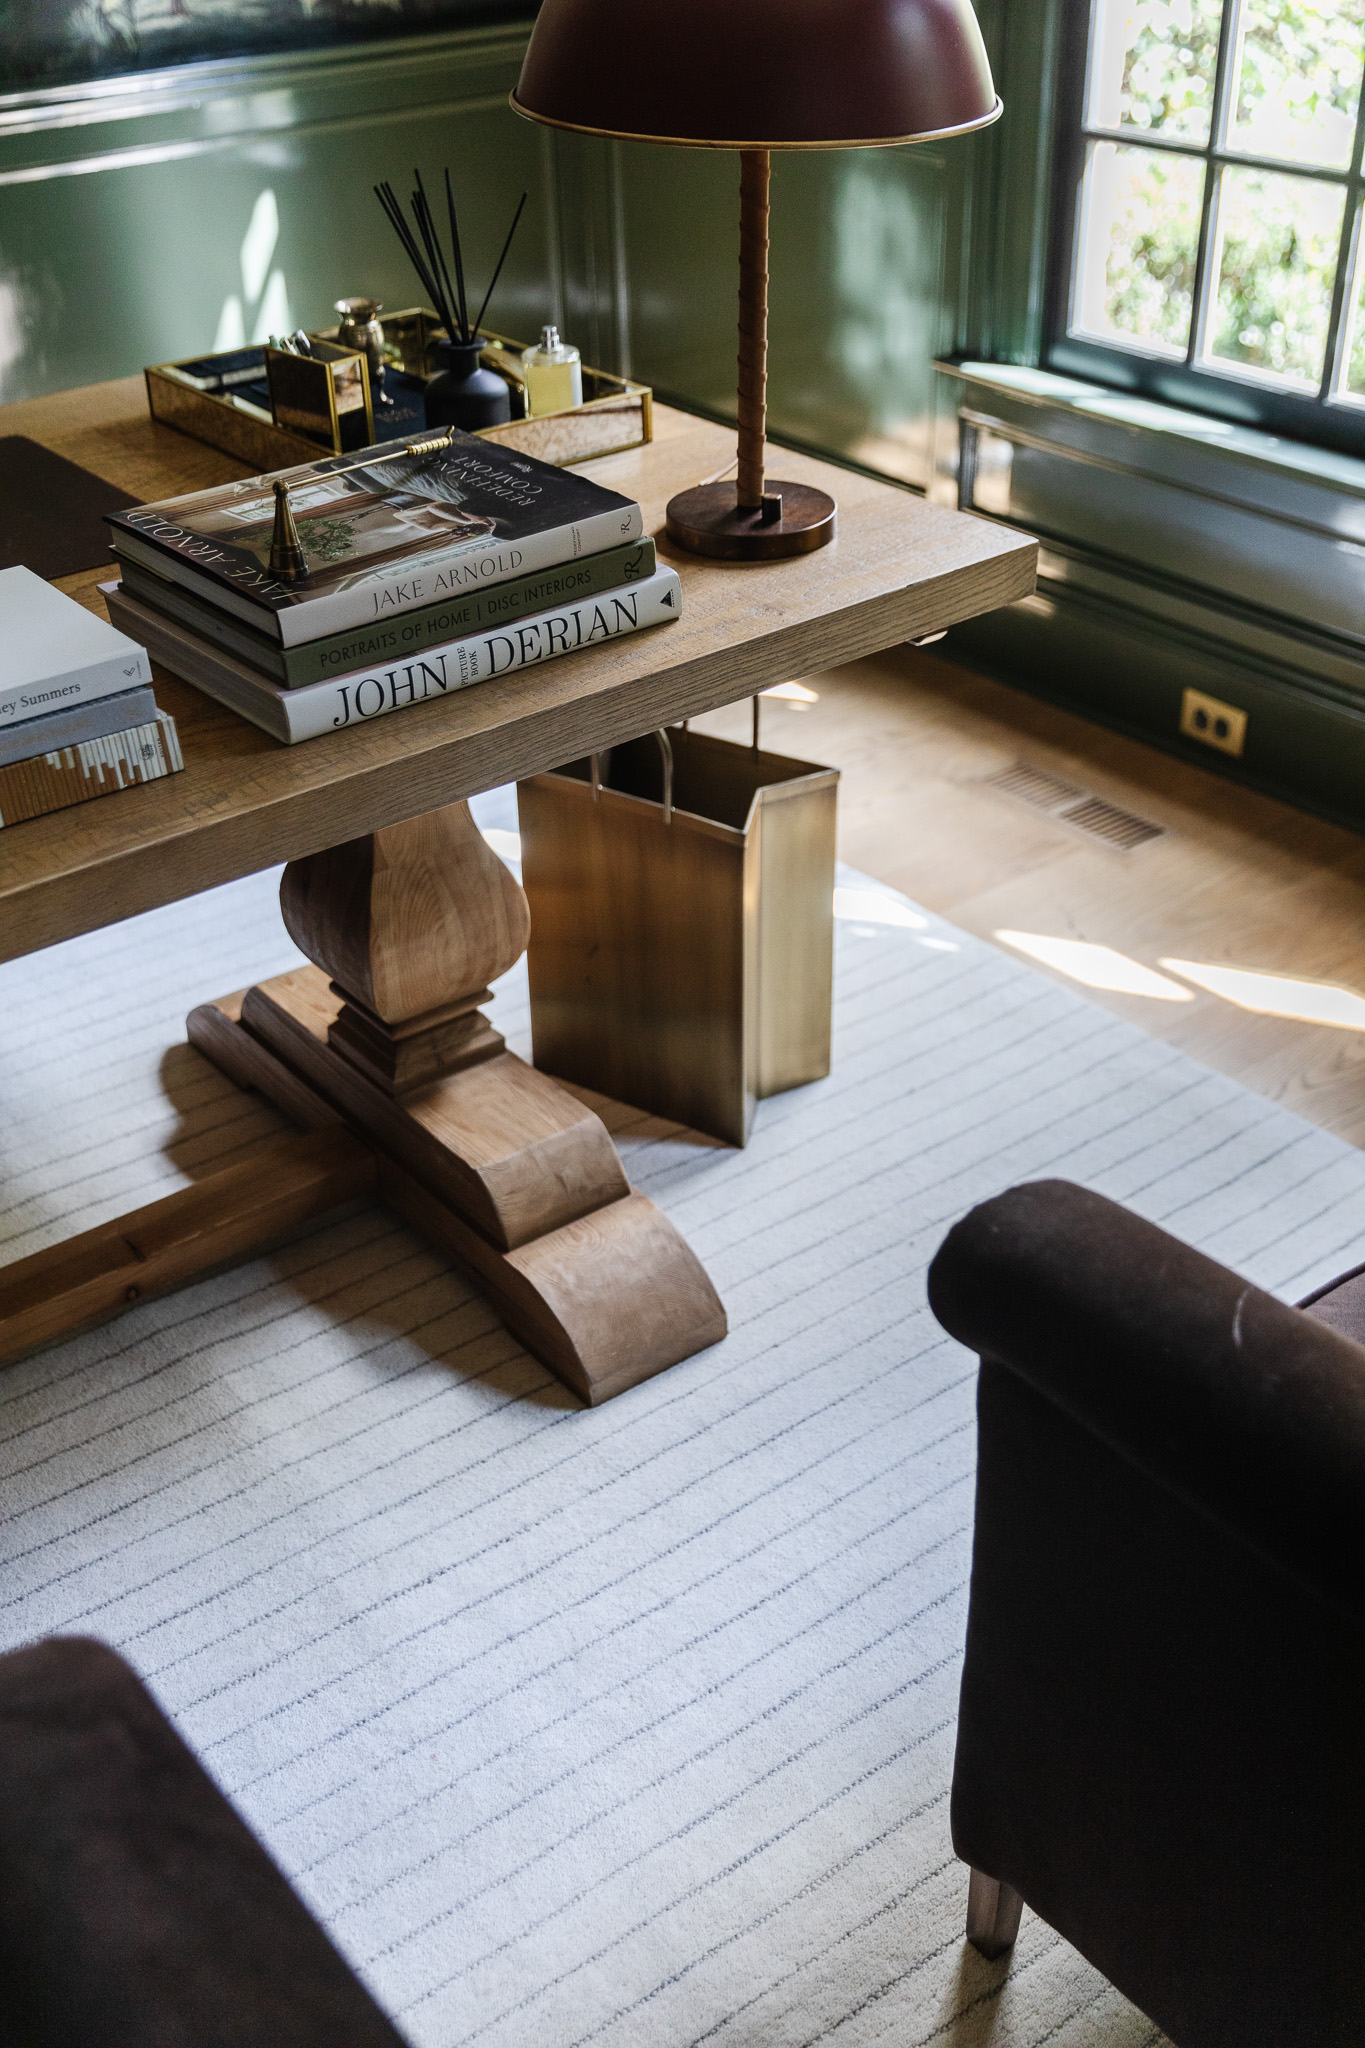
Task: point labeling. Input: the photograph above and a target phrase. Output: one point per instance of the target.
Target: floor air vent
(1107, 821)
(1035, 786)
(1072, 806)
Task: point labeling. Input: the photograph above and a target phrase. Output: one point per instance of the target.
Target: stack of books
(425, 572)
(77, 715)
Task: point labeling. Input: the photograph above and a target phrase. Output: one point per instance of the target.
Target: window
(1209, 217)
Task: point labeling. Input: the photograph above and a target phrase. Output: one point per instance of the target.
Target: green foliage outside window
(1171, 58)
(1294, 98)
(1299, 82)
(1153, 245)
(1278, 265)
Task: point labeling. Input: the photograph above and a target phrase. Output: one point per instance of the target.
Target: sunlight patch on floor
(871, 906)
(1270, 995)
(1096, 966)
(1277, 995)
(794, 694)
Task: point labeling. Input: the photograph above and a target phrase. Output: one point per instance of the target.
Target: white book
(54, 653)
(336, 705)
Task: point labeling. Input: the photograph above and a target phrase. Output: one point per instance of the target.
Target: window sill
(1276, 479)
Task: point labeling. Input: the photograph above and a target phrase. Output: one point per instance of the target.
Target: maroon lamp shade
(759, 74)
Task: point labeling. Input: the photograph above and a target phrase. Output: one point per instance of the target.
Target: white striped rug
(632, 1727)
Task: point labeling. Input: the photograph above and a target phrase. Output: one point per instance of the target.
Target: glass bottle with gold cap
(552, 373)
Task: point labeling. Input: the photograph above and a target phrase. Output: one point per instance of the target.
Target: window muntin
(1216, 227)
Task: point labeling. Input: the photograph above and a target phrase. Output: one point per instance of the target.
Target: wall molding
(133, 195)
(184, 88)
(1126, 668)
(138, 154)
(1177, 553)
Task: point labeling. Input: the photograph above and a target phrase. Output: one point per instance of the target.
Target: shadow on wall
(888, 284)
(11, 330)
(857, 292)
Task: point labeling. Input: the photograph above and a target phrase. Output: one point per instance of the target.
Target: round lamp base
(794, 519)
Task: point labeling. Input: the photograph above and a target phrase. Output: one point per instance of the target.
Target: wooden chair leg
(993, 1911)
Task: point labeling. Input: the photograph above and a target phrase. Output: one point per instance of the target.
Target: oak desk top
(899, 568)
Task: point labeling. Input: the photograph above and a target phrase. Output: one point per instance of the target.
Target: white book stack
(350, 700)
(54, 653)
(77, 715)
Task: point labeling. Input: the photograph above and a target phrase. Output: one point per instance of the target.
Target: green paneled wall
(140, 218)
(135, 217)
(881, 259)
(857, 308)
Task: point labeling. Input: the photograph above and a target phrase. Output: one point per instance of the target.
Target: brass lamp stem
(753, 324)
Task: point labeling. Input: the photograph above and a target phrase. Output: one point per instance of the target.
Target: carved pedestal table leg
(497, 1163)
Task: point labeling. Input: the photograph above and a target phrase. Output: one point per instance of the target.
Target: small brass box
(324, 396)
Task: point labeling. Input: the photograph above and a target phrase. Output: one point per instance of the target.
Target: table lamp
(757, 75)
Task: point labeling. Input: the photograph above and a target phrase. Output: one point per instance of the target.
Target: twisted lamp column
(752, 519)
(754, 166)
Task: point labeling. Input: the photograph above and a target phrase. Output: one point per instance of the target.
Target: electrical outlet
(1211, 720)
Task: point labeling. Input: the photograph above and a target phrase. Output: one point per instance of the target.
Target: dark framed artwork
(67, 42)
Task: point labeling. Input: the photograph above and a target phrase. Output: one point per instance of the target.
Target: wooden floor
(1234, 880)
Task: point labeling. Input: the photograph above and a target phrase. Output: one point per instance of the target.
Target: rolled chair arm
(137, 1910)
(1248, 1409)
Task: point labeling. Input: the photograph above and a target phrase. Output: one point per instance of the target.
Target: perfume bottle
(553, 374)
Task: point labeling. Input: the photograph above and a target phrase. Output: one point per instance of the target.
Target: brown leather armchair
(1161, 1741)
(136, 1909)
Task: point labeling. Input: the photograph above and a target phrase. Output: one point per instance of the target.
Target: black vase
(463, 395)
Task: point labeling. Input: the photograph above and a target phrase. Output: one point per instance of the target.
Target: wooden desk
(899, 568)
(400, 1084)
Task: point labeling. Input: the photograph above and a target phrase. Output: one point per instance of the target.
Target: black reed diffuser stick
(478, 318)
(459, 253)
(421, 207)
(432, 290)
(424, 251)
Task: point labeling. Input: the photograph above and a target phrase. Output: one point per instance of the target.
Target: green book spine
(398, 638)
(318, 661)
